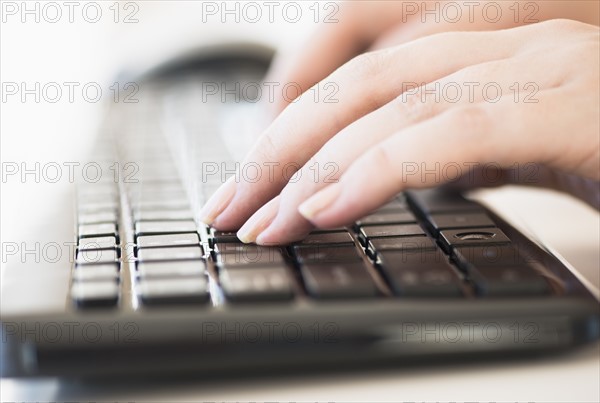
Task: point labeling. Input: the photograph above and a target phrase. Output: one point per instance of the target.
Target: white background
(44, 132)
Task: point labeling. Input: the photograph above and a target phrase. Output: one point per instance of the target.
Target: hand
(381, 127)
(375, 24)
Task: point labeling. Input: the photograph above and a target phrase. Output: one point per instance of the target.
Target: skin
(382, 136)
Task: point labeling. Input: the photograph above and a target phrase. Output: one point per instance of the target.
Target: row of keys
(408, 259)
(413, 266)
(170, 266)
(330, 266)
(95, 277)
(333, 267)
(250, 273)
(484, 254)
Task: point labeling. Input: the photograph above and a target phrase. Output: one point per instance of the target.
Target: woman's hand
(528, 97)
(360, 26)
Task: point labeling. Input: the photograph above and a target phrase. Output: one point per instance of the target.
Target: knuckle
(364, 66)
(564, 24)
(267, 149)
(385, 160)
(482, 71)
(415, 106)
(472, 120)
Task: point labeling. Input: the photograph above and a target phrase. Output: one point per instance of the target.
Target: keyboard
(412, 247)
(429, 274)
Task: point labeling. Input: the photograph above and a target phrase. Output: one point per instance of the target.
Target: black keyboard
(429, 274)
(415, 246)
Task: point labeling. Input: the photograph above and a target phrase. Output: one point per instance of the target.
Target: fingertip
(218, 202)
(319, 202)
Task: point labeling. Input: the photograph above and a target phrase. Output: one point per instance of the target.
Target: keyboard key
(149, 187)
(95, 294)
(460, 220)
(98, 218)
(327, 238)
(398, 204)
(324, 231)
(500, 270)
(173, 253)
(256, 284)
(97, 230)
(338, 280)
(160, 205)
(403, 217)
(97, 206)
(164, 227)
(472, 237)
(159, 215)
(401, 243)
(106, 242)
(432, 201)
(162, 201)
(171, 269)
(507, 281)
(96, 272)
(96, 256)
(150, 241)
(328, 253)
(168, 291)
(158, 195)
(100, 197)
(490, 255)
(244, 248)
(224, 237)
(378, 231)
(420, 274)
(262, 257)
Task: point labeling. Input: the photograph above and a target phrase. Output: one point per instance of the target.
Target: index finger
(363, 85)
(344, 31)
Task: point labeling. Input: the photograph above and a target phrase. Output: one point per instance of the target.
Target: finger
(530, 174)
(365, 84)
(218, 201)
(259, 221)
(345, 32)
(480, 133)
(409, 108)
(439, 20)
(434, 18)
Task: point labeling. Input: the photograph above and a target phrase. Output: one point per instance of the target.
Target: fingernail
(218, 202)
(258, 222)
(320, 201)
(252, 228)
